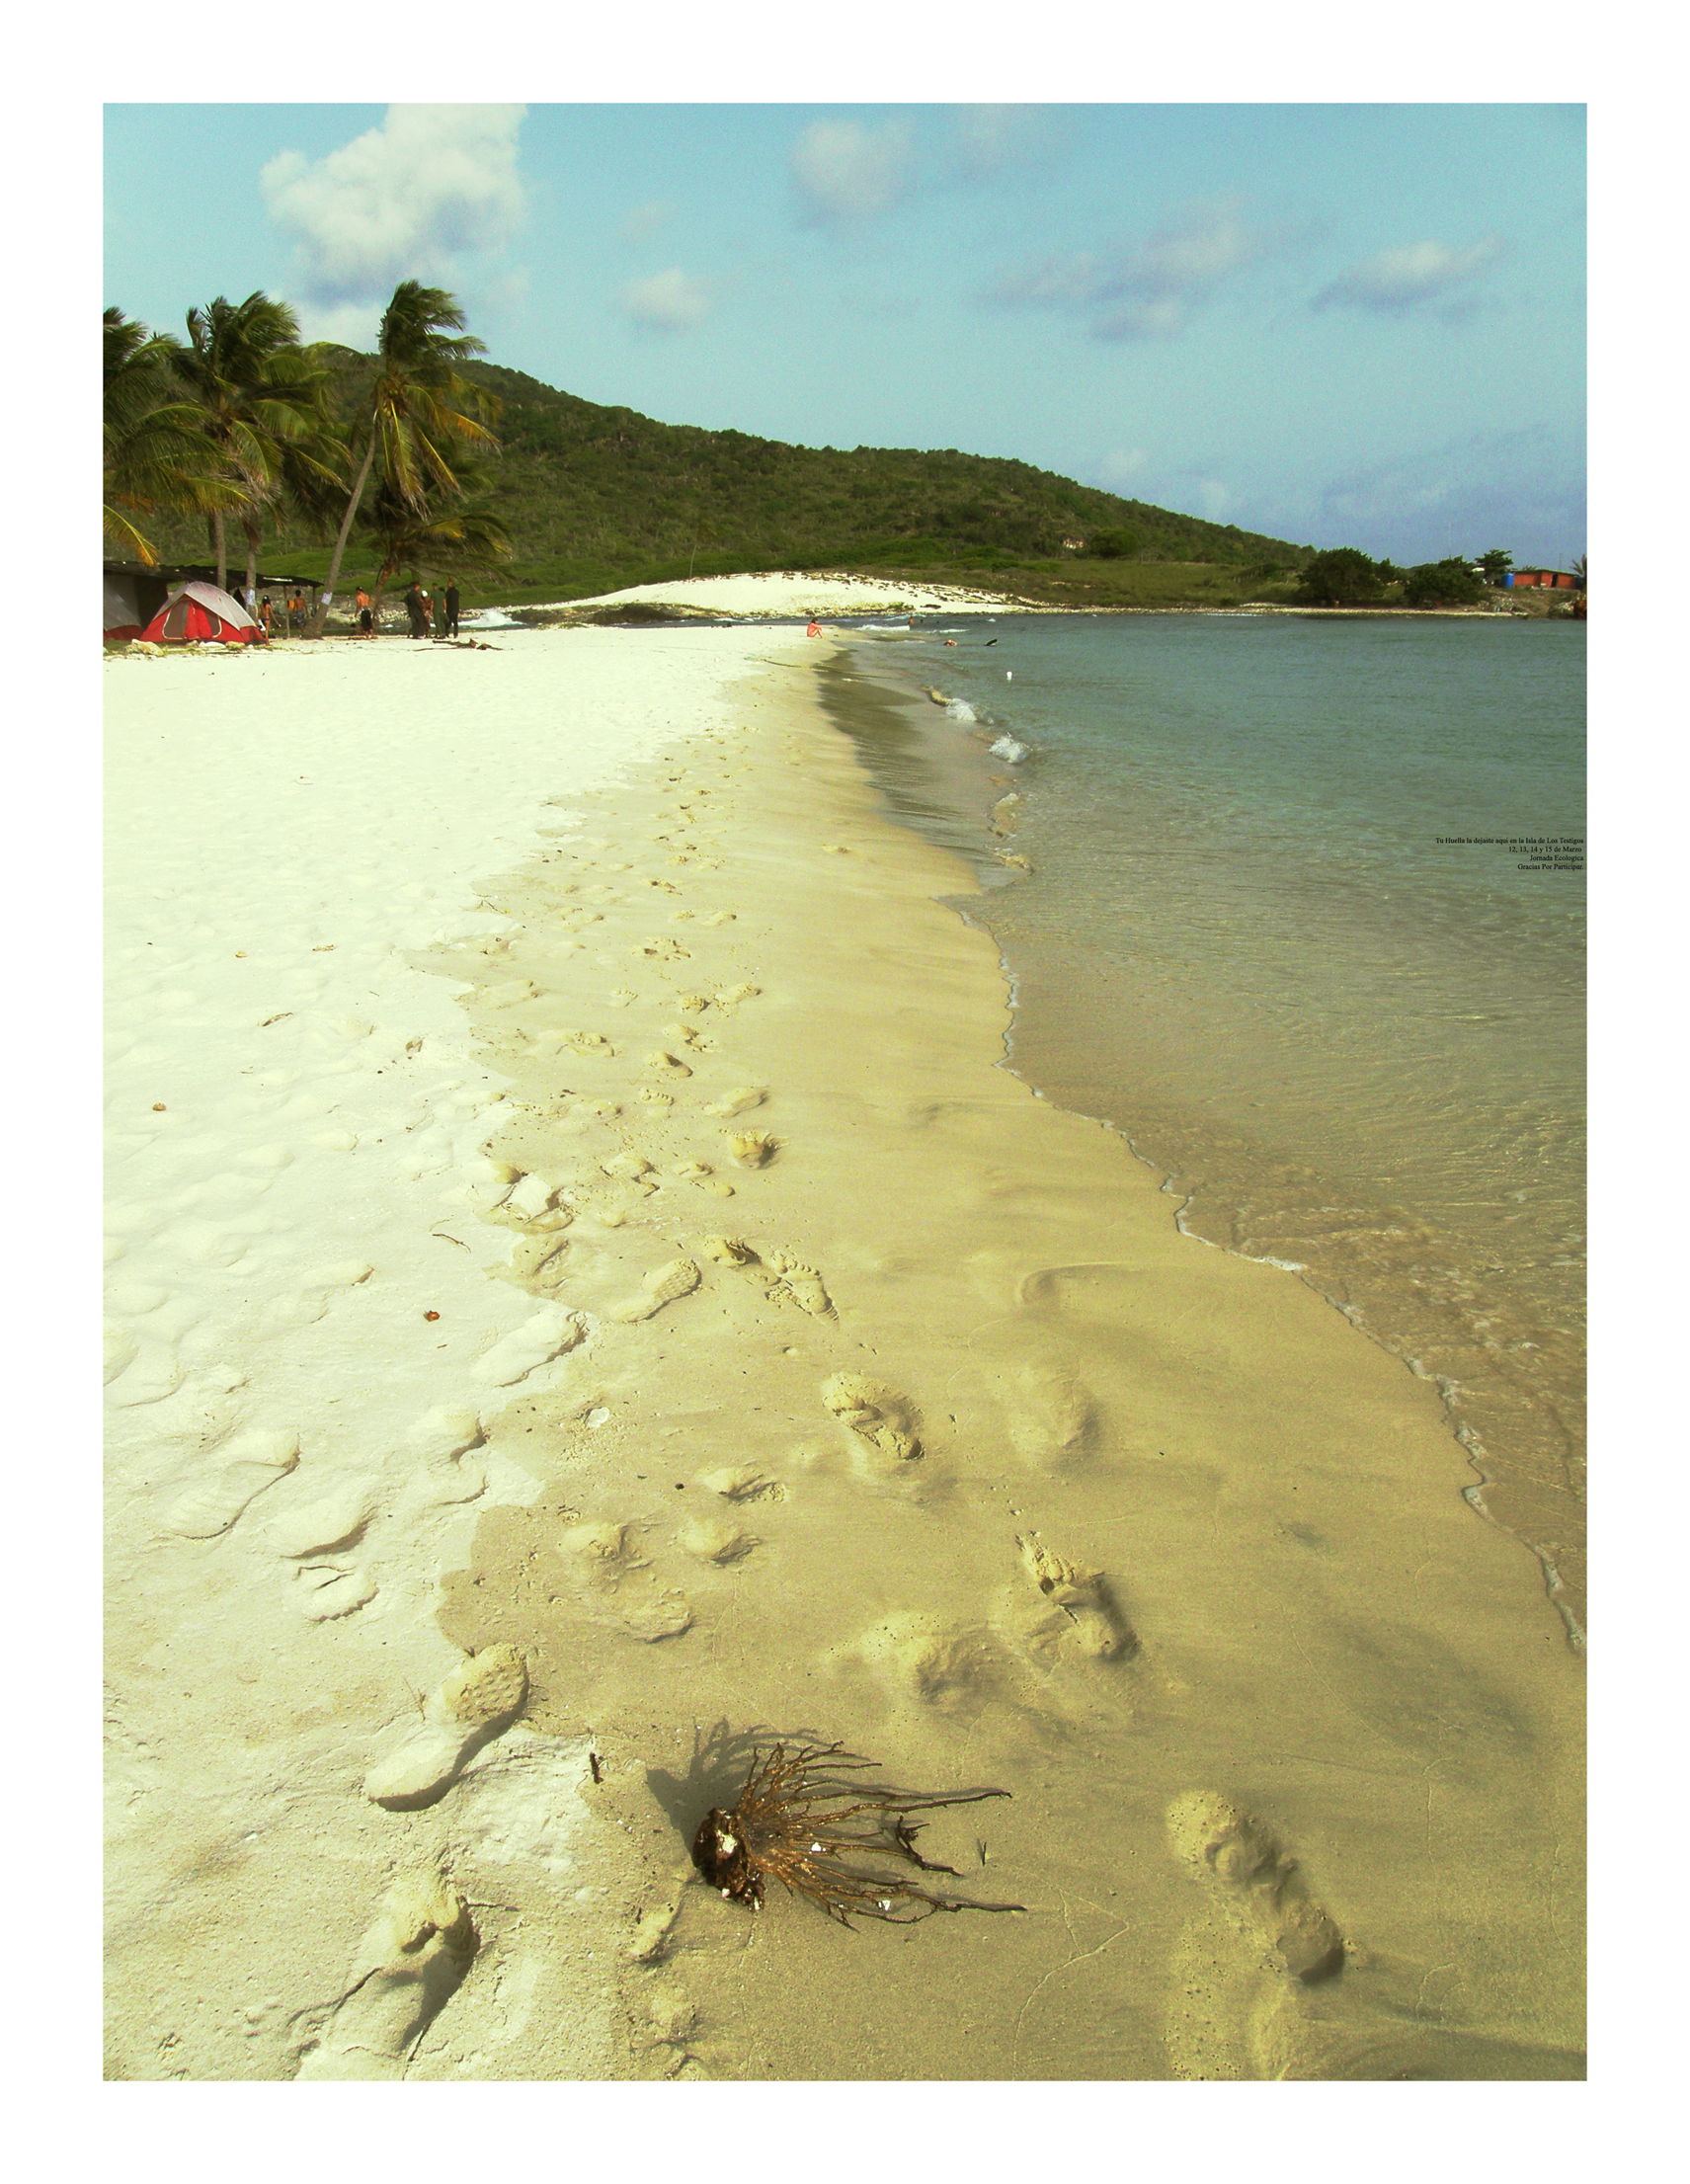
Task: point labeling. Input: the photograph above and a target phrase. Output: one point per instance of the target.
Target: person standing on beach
(366, 614)
(449, 611)
(417, 607)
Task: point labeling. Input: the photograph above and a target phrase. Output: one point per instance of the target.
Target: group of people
(430, 613)
(286, 618)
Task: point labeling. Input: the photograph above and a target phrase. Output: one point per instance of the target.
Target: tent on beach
(199, 613)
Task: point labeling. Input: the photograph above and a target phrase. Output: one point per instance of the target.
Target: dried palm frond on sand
(793, 1821)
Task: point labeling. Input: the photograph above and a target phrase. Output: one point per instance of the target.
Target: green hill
(598, 498)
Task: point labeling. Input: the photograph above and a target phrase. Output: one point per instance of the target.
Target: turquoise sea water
(1305, 920)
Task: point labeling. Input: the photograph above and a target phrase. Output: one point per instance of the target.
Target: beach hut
(199, 614)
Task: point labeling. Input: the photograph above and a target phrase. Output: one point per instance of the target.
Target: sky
(1338, 324)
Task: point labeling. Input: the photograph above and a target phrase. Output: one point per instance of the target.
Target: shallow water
(1247, 940)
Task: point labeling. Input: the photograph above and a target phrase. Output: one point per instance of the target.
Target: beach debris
(753, 1148)
(793, 1822)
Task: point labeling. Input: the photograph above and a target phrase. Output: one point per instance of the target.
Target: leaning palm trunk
(344, 532)
(221, 548)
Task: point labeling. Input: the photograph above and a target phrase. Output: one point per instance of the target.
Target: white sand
(296, 1116)
(889, 1407)
(795, 594)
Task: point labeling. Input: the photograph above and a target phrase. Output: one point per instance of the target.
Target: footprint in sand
(337, 1520)
(138, 1369)
(738, 1103)
(663, 1285)
(409, 1965)
(753, 1148)
(531, 1198)
(318, 1291)
(542, 1259)
(669, 1064)
(1256, 1882)
(441, 1438)
(1051, 1416)
(478, 1701)
(742, 1483)
(796, 1283)
(240, 1473)
(717, 1543)
(952, 1670)
(548, 1335)
(730, 996)
(883, 1419)
(1082, 1617)
(324, 1591)
(586, 1042)
(625, 1582)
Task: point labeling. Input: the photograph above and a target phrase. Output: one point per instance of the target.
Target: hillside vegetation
(595, 498)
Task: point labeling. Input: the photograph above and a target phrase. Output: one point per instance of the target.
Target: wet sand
(799, 1373)
(1141, 1532)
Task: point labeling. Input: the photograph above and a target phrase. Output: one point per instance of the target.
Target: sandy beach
(586, 1302)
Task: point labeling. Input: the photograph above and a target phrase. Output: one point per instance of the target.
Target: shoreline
(790, 594)
(1008, 1284)
(1275, 1607)
(943, 784)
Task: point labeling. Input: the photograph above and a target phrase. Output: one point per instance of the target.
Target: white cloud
(1416, 277)
(1147, 290)
(851, 171)
(670, 301)
(411, 199)
(645, 219)
(992, 139)
(352, 325)
(1522, 488)
(1120, 466)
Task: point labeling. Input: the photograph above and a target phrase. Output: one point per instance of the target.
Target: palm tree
(419, 406)
(158, 455)
(260, 393)
(444, 541)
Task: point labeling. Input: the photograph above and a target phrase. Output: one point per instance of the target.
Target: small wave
(490, 618)
(1009, 750)
(960, 710)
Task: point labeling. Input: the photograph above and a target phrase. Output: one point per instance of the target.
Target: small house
(1555, 580)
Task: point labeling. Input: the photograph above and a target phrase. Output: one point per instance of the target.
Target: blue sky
(1345, 324)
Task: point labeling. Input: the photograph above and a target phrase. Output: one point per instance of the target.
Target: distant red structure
(1558, 580)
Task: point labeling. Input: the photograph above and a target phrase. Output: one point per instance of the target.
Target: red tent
(199, 614)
